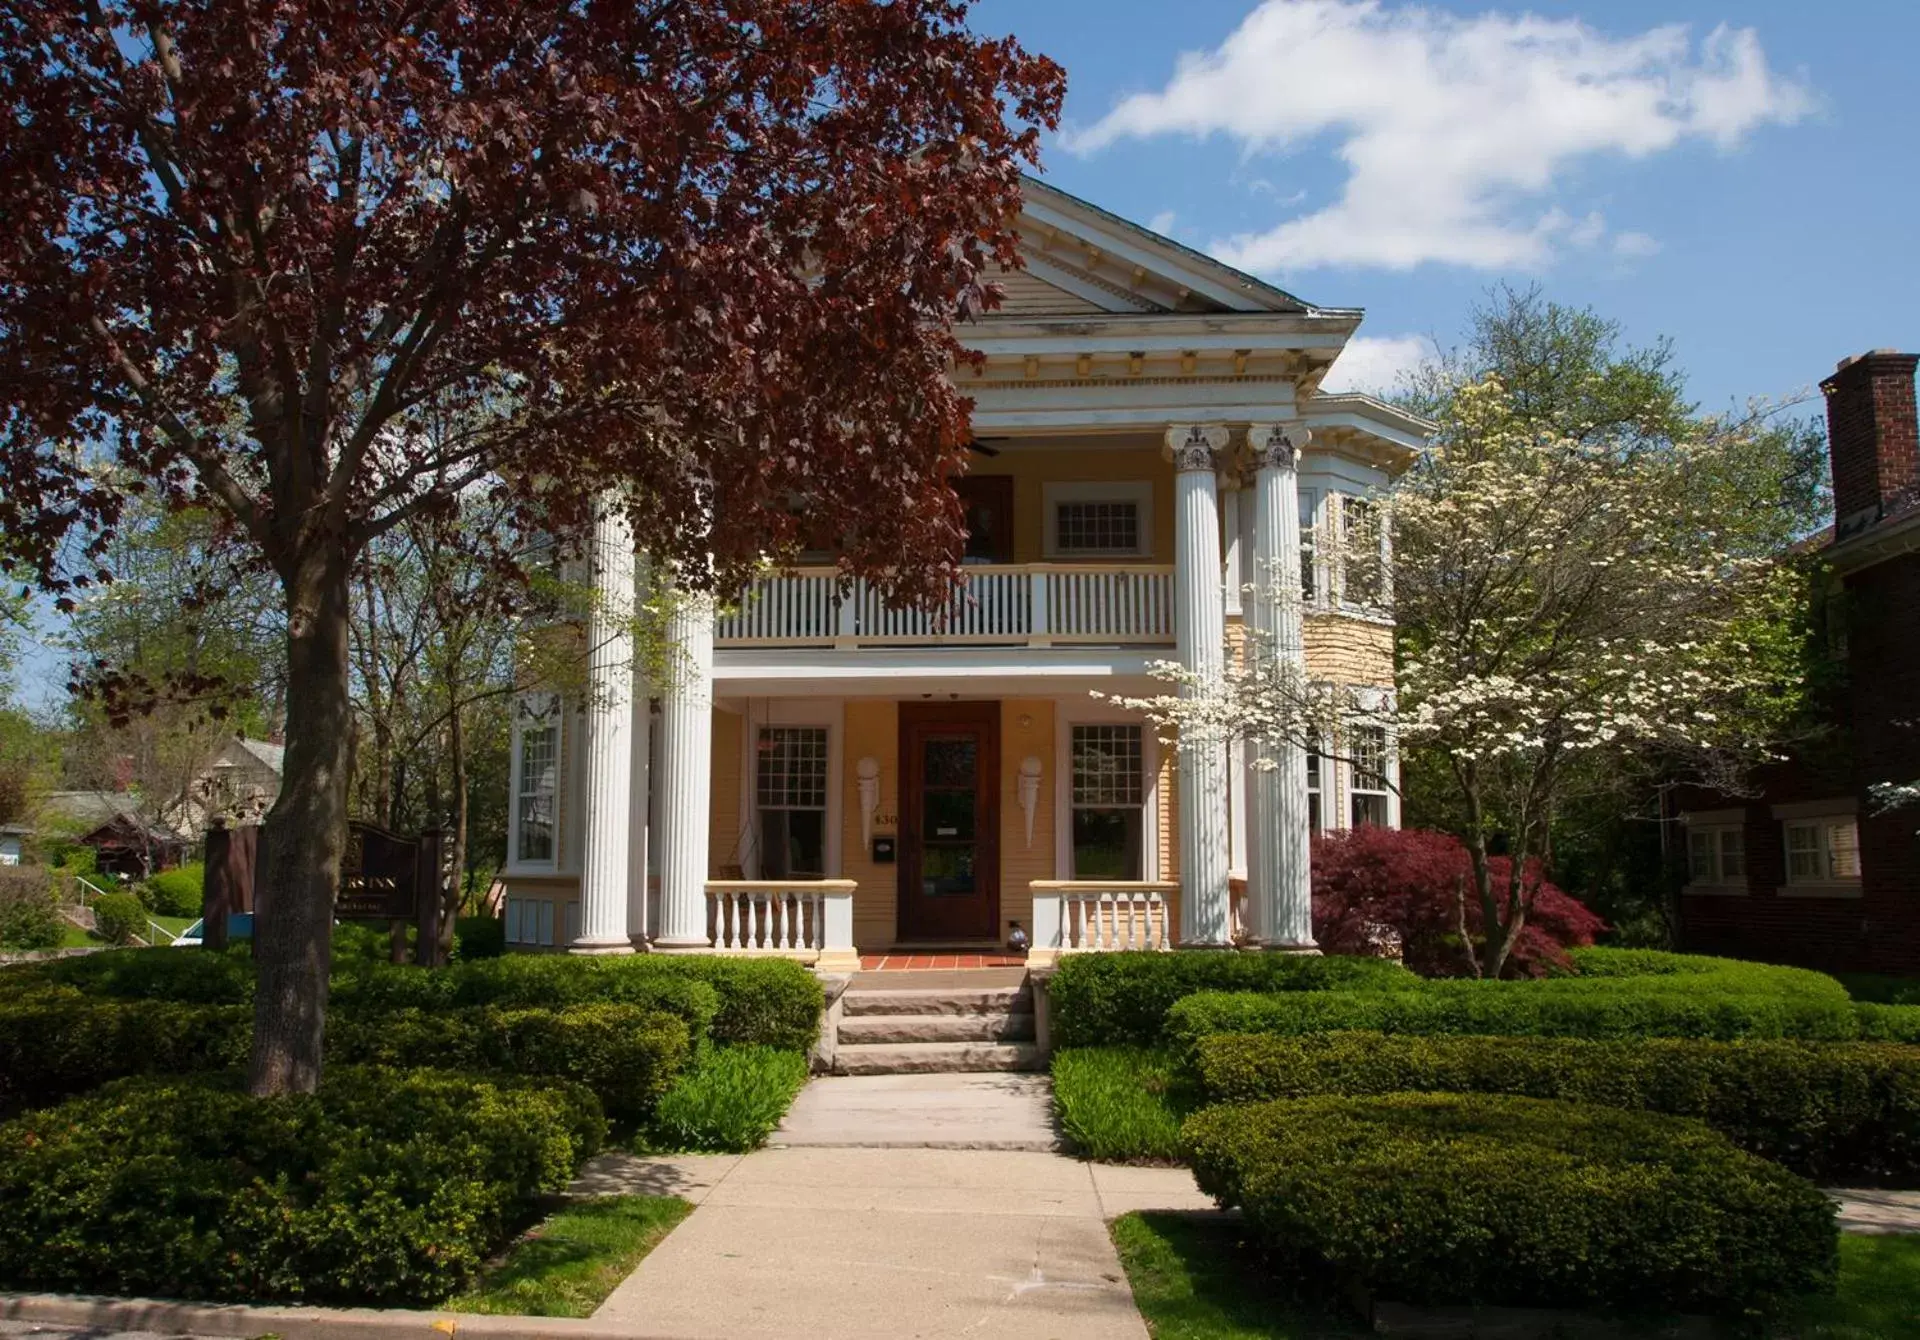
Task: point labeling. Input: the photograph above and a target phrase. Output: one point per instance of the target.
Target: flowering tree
(709, 251)
(1564, 602)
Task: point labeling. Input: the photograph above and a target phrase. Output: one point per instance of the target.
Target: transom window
(790, 790)
(1822, 851)
(1368, 785)
(539, 783)
(1109, 802)
(1716, 855)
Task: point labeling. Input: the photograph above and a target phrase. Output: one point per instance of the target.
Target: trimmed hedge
(1826, 1110)
(1888, 1023)
(118, 917)
(1433, 1198)
(189, 976)
(385, 1188)
(178, 892)
(1704, 972)
(478, 937)
(1594, 1010)
(1101, 1000)
(627, 1054)
(64, 1043)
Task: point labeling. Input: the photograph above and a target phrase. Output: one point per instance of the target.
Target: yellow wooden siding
(1026, 731)
(1027, 295)
(872, 730)
(1031, 471)
(1167, 790)
(723, 806)
(1349, 651)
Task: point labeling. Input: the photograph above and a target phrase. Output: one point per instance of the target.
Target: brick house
(1812, 871)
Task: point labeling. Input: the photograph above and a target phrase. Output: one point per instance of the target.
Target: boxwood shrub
(385, 1188)
(63, 1043)
(627, 1054)
(1826, 1110)
(1623, 1008)
(1704, 972)
(189, 976)
(1438, 1198)
(1101, 1000)
(1889, 1023)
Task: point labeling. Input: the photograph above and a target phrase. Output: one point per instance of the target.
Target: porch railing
(1032, 603)
(811, 920)
(1073, 916)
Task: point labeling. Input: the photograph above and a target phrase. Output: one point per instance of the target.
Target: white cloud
(1635, 246)
(1162, 223)
(1375, 363)
(1455, 131)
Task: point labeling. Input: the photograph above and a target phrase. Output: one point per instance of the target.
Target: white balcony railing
(1074, 916)
(811, 920)
(1029, 603)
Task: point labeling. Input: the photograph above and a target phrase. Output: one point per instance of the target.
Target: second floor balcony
(1010, 604)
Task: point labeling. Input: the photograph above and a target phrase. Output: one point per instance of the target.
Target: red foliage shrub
(1370, 884)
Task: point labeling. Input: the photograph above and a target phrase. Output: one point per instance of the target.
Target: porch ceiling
(910, 672)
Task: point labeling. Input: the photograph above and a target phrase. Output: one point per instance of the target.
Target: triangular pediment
(1083, 261)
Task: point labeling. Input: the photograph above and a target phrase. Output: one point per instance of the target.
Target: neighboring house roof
(273, 755)
(94, 810)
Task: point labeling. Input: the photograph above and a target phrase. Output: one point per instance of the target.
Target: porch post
(686, 760)
(603, 875)
(1280, 891)
(1199, 612)
(638, 770)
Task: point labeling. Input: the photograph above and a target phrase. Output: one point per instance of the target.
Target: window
(1364, 571)
(1716, 855)
(1822, 851)
(790, 792)
(1369, 776)
(534, 805)
(1109, 800)
(1308, 547)
(530, 921)
(1313, 790)
(1097, 520)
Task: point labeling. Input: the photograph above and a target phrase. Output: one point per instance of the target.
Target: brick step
(1013, 1026)
(903, 1058)
(952, 1000)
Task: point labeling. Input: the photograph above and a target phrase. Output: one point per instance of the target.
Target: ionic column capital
(1277, 446)
(1196, 446)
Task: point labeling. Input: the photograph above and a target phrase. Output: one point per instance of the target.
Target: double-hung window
(1109, 802)
(1367, 773)
(1362, 553)
(1309, 548)
(790, 787)
(538, 789)
(1823, 850)
(1717, 855)
(1313, 791)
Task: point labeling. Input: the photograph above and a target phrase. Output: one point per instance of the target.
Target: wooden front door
(988, 500)
(949, 821)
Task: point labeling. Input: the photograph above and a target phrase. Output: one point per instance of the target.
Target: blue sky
(1744, 178)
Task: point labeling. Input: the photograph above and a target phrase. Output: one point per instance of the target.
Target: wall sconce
(868, 771)
(1029, 791)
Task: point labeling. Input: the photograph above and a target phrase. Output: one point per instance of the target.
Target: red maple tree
(262, 255)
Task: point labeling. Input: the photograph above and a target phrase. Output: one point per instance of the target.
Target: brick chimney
(1872, 437)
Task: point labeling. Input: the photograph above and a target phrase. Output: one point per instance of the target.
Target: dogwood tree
(707, 251)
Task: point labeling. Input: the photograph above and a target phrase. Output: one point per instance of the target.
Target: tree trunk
(457, 831)
(293, 929)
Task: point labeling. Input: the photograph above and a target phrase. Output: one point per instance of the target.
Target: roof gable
(1082, 260)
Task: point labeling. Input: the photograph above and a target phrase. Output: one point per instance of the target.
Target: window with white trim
(1823, 850)
(1367, 776)
(530, 921)
(1109, 802)
(1717, 854)
(1309, 547)
(1363, 564)
(790, 795)
(538, 773)
(1098, 520)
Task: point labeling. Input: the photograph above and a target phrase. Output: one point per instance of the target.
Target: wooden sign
(379, 876)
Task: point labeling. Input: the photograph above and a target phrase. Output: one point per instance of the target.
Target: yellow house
(823, 777)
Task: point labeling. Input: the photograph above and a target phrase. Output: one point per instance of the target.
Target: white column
(609, 755)
(686, 782)
(1279, 886)
(641, 784)
(1200, 632)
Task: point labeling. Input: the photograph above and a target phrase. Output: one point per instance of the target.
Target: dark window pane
(946, 871)
(949, 814)
(950, 761)
(793, 844)
(1106, 844)
(1369, 811)
(1107, 765)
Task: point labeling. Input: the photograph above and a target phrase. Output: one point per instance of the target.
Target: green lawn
(75, 938)
(1197, 1279)
(567, 1264)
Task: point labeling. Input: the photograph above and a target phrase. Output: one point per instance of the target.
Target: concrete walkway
(1873, 1211)
(977, 1111)
(861, 1244)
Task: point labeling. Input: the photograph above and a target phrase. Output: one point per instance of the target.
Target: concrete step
(904, 1058)
(1015, 1026)
(977, 1000)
